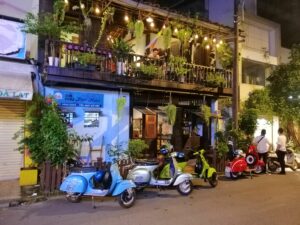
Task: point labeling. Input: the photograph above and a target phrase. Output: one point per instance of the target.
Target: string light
(82, 6)
(149, 19)
(97, 10)
(66, 2)
(207, 47)
(152, 24)
(176, 30)
(214, 40)
(196, 36)
(217, 45)
(205, 38)
(164, 26)
(220, 42)
(126, 18)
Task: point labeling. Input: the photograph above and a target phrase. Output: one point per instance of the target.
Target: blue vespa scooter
(89, 182)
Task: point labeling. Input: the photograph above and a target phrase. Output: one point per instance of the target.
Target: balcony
(137, 72)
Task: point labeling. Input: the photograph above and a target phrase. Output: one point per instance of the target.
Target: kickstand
(251, 174)
(93, 202)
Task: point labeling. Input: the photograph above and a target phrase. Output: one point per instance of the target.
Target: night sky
(286, 13)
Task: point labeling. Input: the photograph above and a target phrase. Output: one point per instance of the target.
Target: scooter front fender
(74, 184)
(211, 171)
(182, 177)
(122, 186)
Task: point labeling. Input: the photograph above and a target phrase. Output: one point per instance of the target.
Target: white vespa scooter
(146, 174)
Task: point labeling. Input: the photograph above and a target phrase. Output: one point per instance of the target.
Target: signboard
(13, 94)
(78, 99)
(12, 39)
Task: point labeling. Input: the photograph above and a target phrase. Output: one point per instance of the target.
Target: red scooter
(244, 163)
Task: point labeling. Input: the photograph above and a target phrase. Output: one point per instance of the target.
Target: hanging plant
(167, 37)
(121, 102)
(131, 27)
(206, 112)
(138, 29)
(107, 17)
(225, 55)
(171, 110)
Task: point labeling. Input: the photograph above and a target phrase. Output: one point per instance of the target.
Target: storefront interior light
(138, 64)
(126, 18)
(149, 19)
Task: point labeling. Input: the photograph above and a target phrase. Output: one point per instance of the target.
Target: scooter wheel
(272, 166)
(73, 197)
(234, 175)
(294, 166)
(127, 198)
(185, 187)
(213, 180)
(258, 169)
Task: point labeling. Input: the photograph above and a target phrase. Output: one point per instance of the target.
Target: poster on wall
(12, 39)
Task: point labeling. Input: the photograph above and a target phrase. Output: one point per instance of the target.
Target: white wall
(284, 55)
(18, 9)
(109, 126)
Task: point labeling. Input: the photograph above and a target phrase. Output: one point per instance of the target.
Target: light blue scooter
(89, 182)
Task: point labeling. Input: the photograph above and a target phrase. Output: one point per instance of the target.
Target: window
(254, 72)
(91, 119)
(68, 118)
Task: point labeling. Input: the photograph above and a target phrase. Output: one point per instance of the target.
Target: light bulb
(175, 30)
(217, 45)
(66, 1)
(97, 10)
(152, 24)
(126, 18)
(214, 40)
(220, 42)
(207, 47)
(196, 36)
(149, 19)
(164, 26)
(205, 38)
(82, 5)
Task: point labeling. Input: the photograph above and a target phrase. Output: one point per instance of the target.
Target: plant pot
(28, 176)
(56, 61)
(120, 68)
(51, 60)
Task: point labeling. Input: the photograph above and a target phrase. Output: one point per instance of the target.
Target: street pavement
(263, 200)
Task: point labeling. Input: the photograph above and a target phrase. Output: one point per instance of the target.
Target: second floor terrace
(141, 48)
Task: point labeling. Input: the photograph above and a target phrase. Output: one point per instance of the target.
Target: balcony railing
(71, 56)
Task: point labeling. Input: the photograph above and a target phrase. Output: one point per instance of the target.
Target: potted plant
(86, 61)
(214, 79)
(50, 26)
(177, 64)
(136, 148)
(171, 111)
(151, 71)
(121, 49)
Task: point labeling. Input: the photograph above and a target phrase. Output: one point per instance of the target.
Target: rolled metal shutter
(11, 120)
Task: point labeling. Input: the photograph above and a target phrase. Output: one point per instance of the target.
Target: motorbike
(161, 174)
(244, 163)
(89, 182)
(204, 170)
(289, 160)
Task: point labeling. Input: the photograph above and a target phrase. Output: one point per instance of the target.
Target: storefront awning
(145, 110)
(15, 85)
